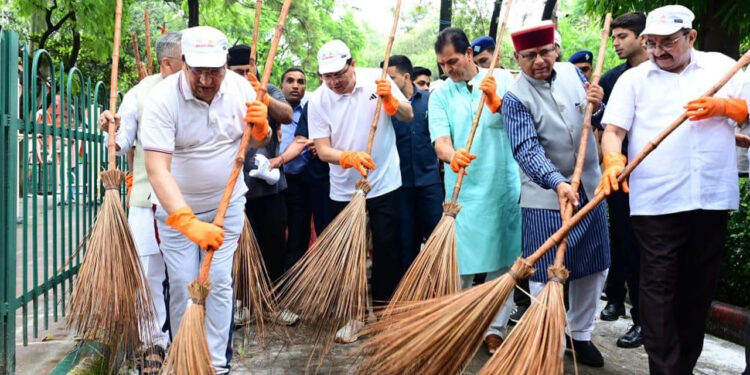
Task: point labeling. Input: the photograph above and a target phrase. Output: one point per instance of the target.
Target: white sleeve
(159, 124)
(395, 91)
(317, 123)
(620, 109)
(128, 111)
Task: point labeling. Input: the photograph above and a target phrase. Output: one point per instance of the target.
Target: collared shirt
(346, 120)
(257, 187)
(419, 163)
(129, 113)
(694, 167)
(202, 138)
(296, 165)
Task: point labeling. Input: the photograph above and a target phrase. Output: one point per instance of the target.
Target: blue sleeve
(524, 141)
(302, 124)
(596, 119)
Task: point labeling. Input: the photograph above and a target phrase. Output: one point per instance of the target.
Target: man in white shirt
(340, 114)
(141, 214)
(681, 194)
(192, 128)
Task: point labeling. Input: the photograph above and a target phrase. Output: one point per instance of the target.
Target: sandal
(152, 360)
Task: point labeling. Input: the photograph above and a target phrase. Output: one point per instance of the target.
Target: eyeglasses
(335, 76)
(666, 45)
(531, 56)
(210, 72)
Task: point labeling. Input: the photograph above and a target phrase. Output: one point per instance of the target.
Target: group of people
(666, 226)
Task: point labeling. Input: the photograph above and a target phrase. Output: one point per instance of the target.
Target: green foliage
(580, 31)
(734, 281)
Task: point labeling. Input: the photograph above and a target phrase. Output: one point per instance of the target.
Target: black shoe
(588, 354)
(631, 339)
(612, 312)
(517, 313)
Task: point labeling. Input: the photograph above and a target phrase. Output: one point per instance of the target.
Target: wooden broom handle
(149, 65)
(379, 103)
(137, 54)
(113, 86)
(254, 45)
(558, 236)
(482, 99)
(575, 182)
(239, 161)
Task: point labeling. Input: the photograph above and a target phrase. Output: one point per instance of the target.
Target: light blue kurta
(488, 228)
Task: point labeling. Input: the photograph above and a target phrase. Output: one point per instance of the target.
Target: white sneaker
(241, 316)
(349, 333)
(286, 318)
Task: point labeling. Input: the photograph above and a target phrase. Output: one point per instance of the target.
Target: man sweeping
(488, 227)
(141, 214)
(340, 114)
(191, 133)
(543, 113)
(680, 196)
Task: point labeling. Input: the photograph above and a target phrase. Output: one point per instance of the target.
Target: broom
(252, 285)
(138, 63)
(110, 300)
(149, 62)
(536, 344)
(434, 273)
(189, 352)
(328, 285)
(442, 335)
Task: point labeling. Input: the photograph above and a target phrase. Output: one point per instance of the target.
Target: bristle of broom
(437, 336)
(327, 287)
(253, 286)
(434, 273)
(537, 343)
(110, 300)
(189, 353)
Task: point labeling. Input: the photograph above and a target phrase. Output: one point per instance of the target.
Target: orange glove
(614, 164)
(357, 159)
(129, 184)
(706, 107)
(489, 88)
(257, 115)
(256, 86)
(390, 104)
(461, 159)
(208, 236)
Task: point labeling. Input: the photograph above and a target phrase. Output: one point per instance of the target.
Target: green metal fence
(50, 155)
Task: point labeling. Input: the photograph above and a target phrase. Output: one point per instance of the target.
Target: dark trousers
(680, 256)
(299, 213)
(625, 256)
(268, 218)
(421, 209)
(387, 271)
(321, 204)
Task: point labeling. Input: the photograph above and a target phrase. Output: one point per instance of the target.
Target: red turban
(534, 36)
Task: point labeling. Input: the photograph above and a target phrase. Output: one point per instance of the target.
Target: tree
(722, 24)
(193, 12)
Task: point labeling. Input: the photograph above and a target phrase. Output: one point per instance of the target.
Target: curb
(86, 358)
(728, 322)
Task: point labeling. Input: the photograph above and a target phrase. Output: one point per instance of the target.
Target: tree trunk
(495, 19)
(713, 36)
(193, 12)
(446, 8)
(549, 8)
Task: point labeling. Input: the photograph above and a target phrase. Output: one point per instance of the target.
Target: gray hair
(168, 45)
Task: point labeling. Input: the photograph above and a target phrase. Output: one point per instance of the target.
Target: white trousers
(183, 259)
(497, 327)
(141, 221)
(583, 299)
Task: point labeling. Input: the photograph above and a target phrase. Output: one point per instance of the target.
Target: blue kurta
(488, 228)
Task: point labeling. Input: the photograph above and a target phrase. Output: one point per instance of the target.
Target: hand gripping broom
(252, 285)
(434, 273)
(442, 335)
(536, 344)
(328, 285)
(189, 352)
(110, 299)
(137, 54)
(149, 61)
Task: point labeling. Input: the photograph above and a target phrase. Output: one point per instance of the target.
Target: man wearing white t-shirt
(340, 115)
(681, 194)
(192, 129)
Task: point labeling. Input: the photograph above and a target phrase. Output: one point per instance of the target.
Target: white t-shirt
(695, 166)
(203, 139)
(346, 119)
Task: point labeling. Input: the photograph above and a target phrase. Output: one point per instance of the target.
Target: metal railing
(50, 155)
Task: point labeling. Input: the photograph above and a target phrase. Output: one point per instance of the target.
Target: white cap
(332, 57)
(558, 38)
(204, 47)
(668, 20)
